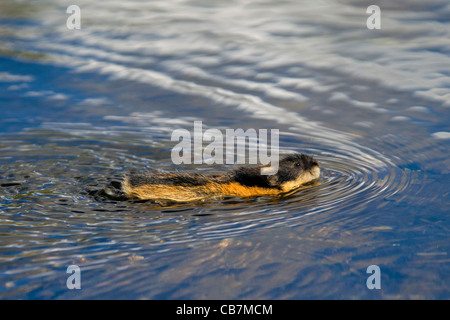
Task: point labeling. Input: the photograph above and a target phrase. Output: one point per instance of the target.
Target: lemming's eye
(297, 164)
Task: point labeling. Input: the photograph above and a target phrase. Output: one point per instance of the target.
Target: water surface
(80, 108)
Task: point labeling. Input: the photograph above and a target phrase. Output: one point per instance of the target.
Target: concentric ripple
(351, 175)
(351, 180)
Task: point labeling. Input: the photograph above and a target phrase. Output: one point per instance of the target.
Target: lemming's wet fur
(294, 171)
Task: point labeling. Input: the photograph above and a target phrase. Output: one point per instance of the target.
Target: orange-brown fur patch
(194, 193)
(234, 189)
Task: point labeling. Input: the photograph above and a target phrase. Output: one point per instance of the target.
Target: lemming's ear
(272, 180)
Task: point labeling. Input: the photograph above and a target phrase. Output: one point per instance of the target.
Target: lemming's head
(293, 171)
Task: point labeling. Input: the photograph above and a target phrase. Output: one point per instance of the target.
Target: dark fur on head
(290, 167)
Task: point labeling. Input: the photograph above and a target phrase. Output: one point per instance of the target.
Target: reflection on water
(82, 107)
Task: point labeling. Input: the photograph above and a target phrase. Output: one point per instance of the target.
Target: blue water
(79, 108)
